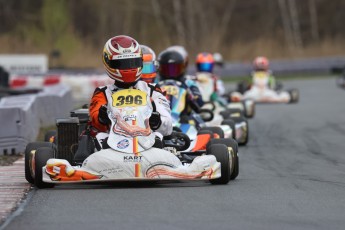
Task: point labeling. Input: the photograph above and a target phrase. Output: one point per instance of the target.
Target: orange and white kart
(261, 93)
(131, 155)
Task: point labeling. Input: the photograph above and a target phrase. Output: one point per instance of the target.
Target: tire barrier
(23, 115)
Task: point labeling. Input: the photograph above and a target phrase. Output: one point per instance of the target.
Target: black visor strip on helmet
(130, 63)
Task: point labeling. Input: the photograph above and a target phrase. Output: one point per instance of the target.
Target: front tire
(234, 145)
(294, 95)
(33, 146)
(246, 131)
(231, 124)
(220, 151)
(42, 155)
(214, 129)
(249, 112)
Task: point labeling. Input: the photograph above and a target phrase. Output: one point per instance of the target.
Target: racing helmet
(218, 59)
(261, 64)
(122, 59)
(149, 71)
(171, 64)
(182, 51)
(204, 62)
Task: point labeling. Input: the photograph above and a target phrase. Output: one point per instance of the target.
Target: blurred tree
(237, 29)
(55, 19)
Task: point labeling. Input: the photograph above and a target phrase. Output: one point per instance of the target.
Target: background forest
(240, 30)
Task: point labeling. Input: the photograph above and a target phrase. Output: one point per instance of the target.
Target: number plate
(171, 89)
(129, 97)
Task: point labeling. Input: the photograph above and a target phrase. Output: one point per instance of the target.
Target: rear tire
(42, 155)
(294, 95)
(27, 158)
(242, 87)
(230, 123)
(220, 151)
(234, 145)
(236, 170)
(247, 113)
(242, 119)
(214, 129)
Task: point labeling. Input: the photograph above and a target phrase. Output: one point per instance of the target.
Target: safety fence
(23, 115)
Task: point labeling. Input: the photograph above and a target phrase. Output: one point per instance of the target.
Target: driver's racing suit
(158, 100)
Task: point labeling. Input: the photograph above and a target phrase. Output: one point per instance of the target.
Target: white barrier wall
(22, 116)
(82, 85)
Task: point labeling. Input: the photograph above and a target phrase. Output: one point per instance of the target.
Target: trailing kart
(207, 82)
(234, 125)
(130, 152)
(261, 93)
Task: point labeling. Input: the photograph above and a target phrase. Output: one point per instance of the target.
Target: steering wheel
(206, 114)
(177, 140)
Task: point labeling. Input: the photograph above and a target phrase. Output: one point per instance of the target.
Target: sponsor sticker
(113, 170)
(130, 117)
(123, 144)
(132, 158)
(56, 169)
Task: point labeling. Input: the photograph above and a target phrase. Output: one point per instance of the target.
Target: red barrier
(20, 81)
(51, 80)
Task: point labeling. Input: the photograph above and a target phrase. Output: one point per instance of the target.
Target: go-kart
(207, 82)
(127, 153)
(231, 121)
(261, 93)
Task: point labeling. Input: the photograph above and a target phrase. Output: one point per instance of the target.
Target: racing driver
(123, 62)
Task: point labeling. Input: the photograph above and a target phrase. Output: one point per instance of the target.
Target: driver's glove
(155, 120)
(103, 115)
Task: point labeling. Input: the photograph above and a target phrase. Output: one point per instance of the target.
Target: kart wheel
(236, 170)
(294, 95)
(230, 123)
(42, 155)
(229, 142)
(28, 160)
(234, 145)
(249, 108)
(220, 151)
(49, 134)
(279, 86)
(242, 87)
(230, 113)
(214, 129)
(246, 135)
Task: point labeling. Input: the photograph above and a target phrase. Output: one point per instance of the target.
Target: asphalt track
(292, 176)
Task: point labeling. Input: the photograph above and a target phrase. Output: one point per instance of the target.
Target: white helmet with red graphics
(261, 63)
(122, 59)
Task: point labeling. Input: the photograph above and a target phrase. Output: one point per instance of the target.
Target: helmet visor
(171, 70)
(205, 67)
(130, 63)
(148, 67)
